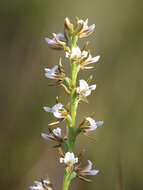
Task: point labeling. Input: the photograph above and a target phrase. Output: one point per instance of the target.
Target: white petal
(95, 59)
(93, 172)
(69, 157)
(54, 69)
(80, 21)
(83, 85)
(78, 90)
(91, 27)
(72, 156)
(36, 188)
(46, 181)
(49, 73)
(87, 92)
(99, 123)
(76, 52)
(46, 136)
(49, 41)
(58, 114)
(57, 107)
(47, 70)
(32, 187)
(38, 183)
(76, 160)
(61, 160)
(91, 121)
(54, 35)
(92, 60)
(47, 109)
(93, 87)
(60, 35)
(57, 132)
(89, 166)
(67, 54)
(49, 76)
(86, 21)
(84, 54)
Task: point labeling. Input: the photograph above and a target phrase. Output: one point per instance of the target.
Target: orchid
(85, 29)
(84, 89)
(56, 110)
(55, 135)
(55, 41)
(88, 59)
(74, 54)
(50, 73)
(69, 159)
(92, 125)
(88, 170)
(44, 185)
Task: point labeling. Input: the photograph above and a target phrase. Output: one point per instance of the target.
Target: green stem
(73, 93)
(68, 176)
(66, 183)
(71, 138)
(74, 103)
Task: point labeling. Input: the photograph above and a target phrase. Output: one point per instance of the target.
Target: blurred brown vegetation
(118, 151)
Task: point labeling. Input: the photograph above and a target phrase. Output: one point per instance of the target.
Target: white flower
(50, 73)
(55, 135)
(85, 23)
(69, 159)
(84, 89)
(92, 125)
(88, 170)
(57, 132)
(55, 41)
(56, 110)
(39, 185)
(89, 59)
(85, 30)
(75, 53)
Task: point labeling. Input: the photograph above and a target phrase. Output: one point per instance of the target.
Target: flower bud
(68, 25)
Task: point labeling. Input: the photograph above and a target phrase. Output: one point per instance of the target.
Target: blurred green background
(118, 151)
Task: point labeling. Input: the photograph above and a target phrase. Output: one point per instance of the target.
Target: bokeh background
(118, 151)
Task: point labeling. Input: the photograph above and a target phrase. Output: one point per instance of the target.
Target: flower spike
(79, 59)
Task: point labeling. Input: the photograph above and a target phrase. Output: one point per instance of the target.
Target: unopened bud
(68, 25)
